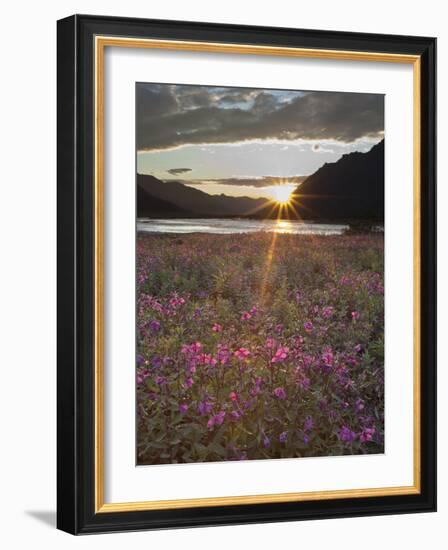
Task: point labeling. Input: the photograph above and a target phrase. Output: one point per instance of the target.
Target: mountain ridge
(350, 188)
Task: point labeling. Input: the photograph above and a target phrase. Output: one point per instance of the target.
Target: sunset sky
(245, 141)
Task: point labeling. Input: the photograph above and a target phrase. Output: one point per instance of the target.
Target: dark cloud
(264, 181)
(170, 116)
(176, 171)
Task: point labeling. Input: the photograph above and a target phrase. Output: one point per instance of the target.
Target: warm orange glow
(282, 193)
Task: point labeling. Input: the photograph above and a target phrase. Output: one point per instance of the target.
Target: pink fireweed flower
(257, 389)
(280, 393)
(355, 315)
(233, 396)
(188, 382)
(206, 359)
(308, 326)
(279, 328)
(196, 347)
(142, 375)
(254, 311)
(211, 422)
(223, 354)
(307, 361)
(270, 342)
(176, 301)
(327, 357)
(359, 405)
(358, 348)
(183, 408)
(367, 434)
(280, 355)
(191, 349)
(216, 420)
(246, 316)
(327, 312)
(242, 354)
(217, 327)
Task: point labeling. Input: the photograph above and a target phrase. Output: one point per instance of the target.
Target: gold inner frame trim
(101, 42)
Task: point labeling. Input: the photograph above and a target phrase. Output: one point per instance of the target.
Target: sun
(282, 193)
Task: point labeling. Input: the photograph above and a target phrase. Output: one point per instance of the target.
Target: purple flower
(235, 416)
(304, 382)
(161, 380)
(306, 439)
(308, 326)
(355, 315)
(280, 393)
(183, 408)
(279, 328)
(242, 354)
(346, 434)
(283, 437)
(188, 382)
(359, 405)
(308, 424)
(205, 408)
(327, 312)
(156, 362)
(266, 442)
(216, 420)
(154, 325)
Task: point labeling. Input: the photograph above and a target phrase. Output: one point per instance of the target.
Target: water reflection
(229, 226)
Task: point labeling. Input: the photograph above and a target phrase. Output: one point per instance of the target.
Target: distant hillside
(149, 206)
(352, 187)
(191, 201)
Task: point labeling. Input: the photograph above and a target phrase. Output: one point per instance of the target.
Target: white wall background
(27, 272)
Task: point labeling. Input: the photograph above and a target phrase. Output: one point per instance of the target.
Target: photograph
(259, 273)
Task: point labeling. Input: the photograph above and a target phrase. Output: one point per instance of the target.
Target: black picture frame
(76, 272)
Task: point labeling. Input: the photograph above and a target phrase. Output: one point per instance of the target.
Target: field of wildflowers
(259, 346)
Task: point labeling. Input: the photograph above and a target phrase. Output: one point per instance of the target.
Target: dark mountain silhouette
(149, 206)
(191, 201)
(351, 188)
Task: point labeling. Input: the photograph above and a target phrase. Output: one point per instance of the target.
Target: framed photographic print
(246, 274)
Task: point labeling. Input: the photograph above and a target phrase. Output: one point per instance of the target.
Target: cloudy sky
(244, 141)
